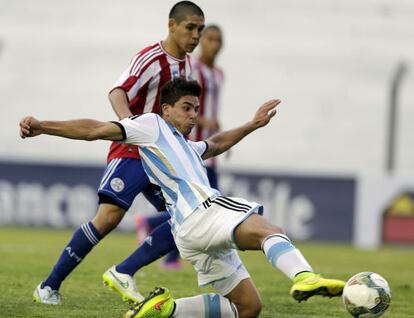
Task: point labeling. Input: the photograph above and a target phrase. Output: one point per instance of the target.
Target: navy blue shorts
(123, 180)
(212, 177)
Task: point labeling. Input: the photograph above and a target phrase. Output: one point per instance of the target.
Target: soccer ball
(366, 295)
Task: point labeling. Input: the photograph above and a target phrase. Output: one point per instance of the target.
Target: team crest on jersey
(117, 184)
(175, 73)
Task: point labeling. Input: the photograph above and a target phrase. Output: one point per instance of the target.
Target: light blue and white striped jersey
(172, 162)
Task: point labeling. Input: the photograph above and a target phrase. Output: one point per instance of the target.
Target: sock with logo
(207, 305)
(82, 242)
(283, 255)
(157, 244)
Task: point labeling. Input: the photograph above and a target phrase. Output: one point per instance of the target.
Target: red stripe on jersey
(162, 73)
(190, 65)
(121, 150)
(137, 104)
(210, 80)
(165, 76)
(215, 95)
(142, 55)
(182, 69)
(127, 85)
(146, 62)
(199, 131)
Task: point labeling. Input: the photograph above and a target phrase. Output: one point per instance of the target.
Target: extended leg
(257, 233)
(83, 240)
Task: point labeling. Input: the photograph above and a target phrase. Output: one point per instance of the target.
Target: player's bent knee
(250, 234)
(108, 218)
(246, 299)
(249, 309)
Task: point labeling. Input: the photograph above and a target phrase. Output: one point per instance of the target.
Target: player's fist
(29, 127)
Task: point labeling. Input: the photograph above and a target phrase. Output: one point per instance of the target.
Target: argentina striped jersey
(172, 162)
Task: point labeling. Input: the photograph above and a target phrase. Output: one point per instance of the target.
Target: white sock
(284, 256)
(207, 305)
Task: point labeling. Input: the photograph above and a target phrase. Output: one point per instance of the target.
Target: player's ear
(165, 109)
(172, 24)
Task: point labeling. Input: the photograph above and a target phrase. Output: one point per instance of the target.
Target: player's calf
(245, 297)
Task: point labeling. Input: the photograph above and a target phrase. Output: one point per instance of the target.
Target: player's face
(183, 115)
(188, 32)
(211, 42)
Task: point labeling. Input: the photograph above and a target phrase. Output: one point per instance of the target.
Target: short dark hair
(173, 90)
(212, 26)
(183, 8)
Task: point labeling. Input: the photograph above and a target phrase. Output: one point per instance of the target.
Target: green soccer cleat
(158, 304)
(123, 284)
(308, 284)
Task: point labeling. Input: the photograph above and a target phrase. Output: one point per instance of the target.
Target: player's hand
(265, 113)
(29, 127)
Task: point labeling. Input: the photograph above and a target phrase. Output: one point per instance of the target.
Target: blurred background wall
(331, 62)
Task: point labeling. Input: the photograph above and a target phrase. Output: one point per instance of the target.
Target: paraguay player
(137, 91)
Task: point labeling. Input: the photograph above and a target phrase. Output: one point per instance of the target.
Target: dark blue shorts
(123, 180)
(212, 177)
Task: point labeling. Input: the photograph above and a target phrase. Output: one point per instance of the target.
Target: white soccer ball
(366, 295)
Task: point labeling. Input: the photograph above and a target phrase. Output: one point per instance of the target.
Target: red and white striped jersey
(142, 81)
(211, 81)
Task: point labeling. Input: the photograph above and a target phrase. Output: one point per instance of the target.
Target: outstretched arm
(222, 141)
(83, 129)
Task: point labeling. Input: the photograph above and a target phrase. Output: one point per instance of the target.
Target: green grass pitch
(26, 256)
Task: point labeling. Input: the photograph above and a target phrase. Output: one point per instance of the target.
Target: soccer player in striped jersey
(210, 77)
(207, 227)
(136, 92)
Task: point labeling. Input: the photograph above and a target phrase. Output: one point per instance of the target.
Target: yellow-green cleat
(158, 304)
(308, 284)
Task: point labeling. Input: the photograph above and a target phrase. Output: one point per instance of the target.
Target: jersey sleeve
(138, 73)
(199, 146)
(140, 130)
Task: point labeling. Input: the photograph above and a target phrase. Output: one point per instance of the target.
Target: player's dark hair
(212, 26)
(184, 8)
(173, 90)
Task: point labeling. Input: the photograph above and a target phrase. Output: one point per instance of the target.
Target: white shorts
(206, 240)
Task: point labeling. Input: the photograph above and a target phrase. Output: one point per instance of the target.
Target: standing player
(208, 227)
(136, 92)
(210, 77)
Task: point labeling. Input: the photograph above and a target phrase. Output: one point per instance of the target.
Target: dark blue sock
(159, 243)
(172, 256)
(154, 221)
(82, 242)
